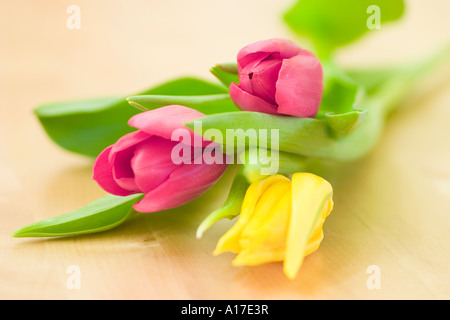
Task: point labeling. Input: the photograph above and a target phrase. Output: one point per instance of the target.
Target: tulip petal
(267, 228)
(245, 80)
(254, 258)
(102, 173)
(122, 171)
(300, 86)
(260, 79)
(310, 198)
(120, 158)
(127, 141)
(164, 121)
(181, 187)
(248, 102)
(317, 236)
(230, 240)
(285, 48)
(264, 236)
(152, 162)
(251, 58)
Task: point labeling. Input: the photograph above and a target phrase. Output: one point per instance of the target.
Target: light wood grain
(391, 208)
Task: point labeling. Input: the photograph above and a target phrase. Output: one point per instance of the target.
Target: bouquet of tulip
(184, 134)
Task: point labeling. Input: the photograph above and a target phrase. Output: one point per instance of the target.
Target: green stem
(254, 161)
(384, 100)
(232, 206)
(395, 89)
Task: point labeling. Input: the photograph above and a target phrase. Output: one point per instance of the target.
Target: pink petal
(120, 159)
(285, 48)
(129, 140)
(163, 121)
(245, 83)
(252, 58)
(186, 183)
(103, 175)
(248, 102)
(300, 86)
(260, 79)
(152, 163)
(122, 171)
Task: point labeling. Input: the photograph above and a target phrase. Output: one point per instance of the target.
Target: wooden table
(392, 208)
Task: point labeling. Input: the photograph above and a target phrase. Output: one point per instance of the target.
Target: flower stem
(232, 206)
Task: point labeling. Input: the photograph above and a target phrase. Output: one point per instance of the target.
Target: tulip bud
(280, 220)
(141, 162)
(278, 77)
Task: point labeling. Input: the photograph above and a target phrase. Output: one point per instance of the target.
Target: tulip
(141, 162)
(280, 220)
(278, 77)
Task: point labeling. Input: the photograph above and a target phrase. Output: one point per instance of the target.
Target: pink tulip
(140, 162)
(278, 77)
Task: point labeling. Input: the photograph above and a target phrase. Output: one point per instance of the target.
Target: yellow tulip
(280, 220)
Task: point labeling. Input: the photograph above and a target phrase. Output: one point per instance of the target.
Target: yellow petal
(230, 240)
(264, 236)
(253, 258)
(317, 236)
(270, 218)
(310, 196)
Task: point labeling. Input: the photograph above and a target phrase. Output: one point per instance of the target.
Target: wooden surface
(392, 209)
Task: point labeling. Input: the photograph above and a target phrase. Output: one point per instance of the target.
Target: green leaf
(303, 136)
(331, 24)
(228, 67)
(103, 214)
(88, 126)
(221, 102)
(226, 73)
(343, 124)
(340, 94)
(341, 98)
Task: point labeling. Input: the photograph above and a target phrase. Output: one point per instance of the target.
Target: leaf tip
(136, 105)
(200, 230)
(20, 233)
(230, 67)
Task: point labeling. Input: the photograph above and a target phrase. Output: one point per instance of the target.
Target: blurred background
(391, 209)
